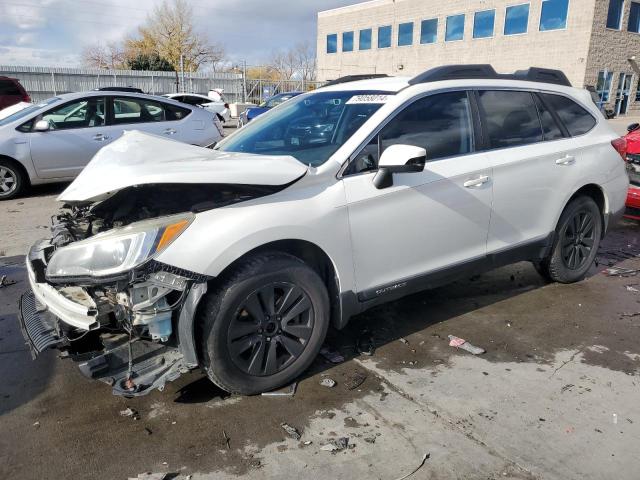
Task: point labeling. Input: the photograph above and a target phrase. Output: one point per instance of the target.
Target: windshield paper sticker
(368, 99)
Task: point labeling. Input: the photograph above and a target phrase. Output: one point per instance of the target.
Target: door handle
(170, 131)
(476, 182)
(568, 160)
(98, 137)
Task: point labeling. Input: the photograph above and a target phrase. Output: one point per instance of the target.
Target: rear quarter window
(174, 112)
(577, 120)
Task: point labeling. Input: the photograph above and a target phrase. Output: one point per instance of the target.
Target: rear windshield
(310, 127)
(28, 111)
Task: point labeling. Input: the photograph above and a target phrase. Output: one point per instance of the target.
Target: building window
(483, 23)
(429, 31)
(332, 43)
(634, 17)
(455, 28)
(614, 17)
(517, 19)
(347, 41)
(554, 15)
(638, 91)
(405, 34)
(384, 36)
(365, 39)
(603, 87)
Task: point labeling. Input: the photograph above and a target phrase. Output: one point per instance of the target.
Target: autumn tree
(169, 33)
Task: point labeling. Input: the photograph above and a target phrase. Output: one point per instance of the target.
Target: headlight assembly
(119, 250)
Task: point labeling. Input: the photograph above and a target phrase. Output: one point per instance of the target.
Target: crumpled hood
(139, 158)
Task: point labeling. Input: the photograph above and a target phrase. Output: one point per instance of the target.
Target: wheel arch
(596, 193)
(316, 258)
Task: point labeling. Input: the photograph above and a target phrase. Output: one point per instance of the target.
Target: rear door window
(550, 128)
(137, 110)
(577, 120)
(510, 118)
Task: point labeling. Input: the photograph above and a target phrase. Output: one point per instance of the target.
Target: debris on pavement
(331, 354)
(227, 439)
(291, 431)
(36, 424)
(621, 272)
(425, 457)
(355, 380)
(130, 412)
(365, 344)
(5, 283)
(464, 345)
(405, 341)
(148, 430)
(337, 445)
(289, 391)
(328, 382)
(631, 288)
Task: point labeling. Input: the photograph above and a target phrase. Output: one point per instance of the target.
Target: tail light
(620, 144)
(26, 98)
(226, 105)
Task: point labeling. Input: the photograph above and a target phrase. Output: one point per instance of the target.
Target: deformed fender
(186, 322)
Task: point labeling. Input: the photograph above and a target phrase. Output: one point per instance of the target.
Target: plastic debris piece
(632, 289)
(615, 418)
(130, 412)
(405, 341)
(336, 445)
(5, 283)
(464, 345)
(355, 380)
(307, 443)
(36, 424)
(331, 354)
(291, 431)
(227, 439)
(621, 272)
(425, 457)
(289, 391)
(328, 382)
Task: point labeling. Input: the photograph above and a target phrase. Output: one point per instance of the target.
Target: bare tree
(109, 56)
(298, 62)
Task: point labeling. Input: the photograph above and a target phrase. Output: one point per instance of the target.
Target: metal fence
(44, 82)
(259, 89)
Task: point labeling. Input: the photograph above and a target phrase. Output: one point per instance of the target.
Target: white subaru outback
(168, 257)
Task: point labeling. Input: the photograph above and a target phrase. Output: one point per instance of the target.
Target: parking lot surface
(554, 396)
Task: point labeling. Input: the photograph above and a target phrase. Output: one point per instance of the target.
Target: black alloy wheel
(578, 240)
(271, 329)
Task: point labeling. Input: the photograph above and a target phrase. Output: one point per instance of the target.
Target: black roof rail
(485, 71)
(354, 78)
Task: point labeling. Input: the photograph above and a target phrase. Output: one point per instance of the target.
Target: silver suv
(169, 257)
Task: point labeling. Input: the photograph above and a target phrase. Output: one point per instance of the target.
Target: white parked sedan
(220, 107)
(53, 141)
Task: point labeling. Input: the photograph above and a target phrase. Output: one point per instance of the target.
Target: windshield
(28, 111)
(310, 127)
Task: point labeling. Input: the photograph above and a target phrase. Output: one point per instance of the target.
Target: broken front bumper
(64, 317)
(79, 315)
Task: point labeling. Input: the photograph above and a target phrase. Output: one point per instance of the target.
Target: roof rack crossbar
(464, 72)
(354, 78)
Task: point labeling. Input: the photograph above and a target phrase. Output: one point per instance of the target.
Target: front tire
(576, 242)
(264, 324)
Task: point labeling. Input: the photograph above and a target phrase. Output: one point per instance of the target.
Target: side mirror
(633, 127)
(398, 159)
(42, 126)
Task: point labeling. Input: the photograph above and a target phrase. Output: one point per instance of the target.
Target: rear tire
(264, 324)
(575, 244)
(12, 179)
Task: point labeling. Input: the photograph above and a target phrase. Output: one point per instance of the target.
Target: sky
(54, 32)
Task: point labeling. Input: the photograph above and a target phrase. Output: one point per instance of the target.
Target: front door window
(87, 112)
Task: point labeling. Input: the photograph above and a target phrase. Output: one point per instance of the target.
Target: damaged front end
(99, 296)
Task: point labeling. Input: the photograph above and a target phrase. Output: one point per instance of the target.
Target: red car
(633, 167)
(11, 92)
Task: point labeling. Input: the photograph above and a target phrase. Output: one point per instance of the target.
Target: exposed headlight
(118, 250)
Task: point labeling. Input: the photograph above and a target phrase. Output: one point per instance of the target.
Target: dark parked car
(11, 92)
(253, 112)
